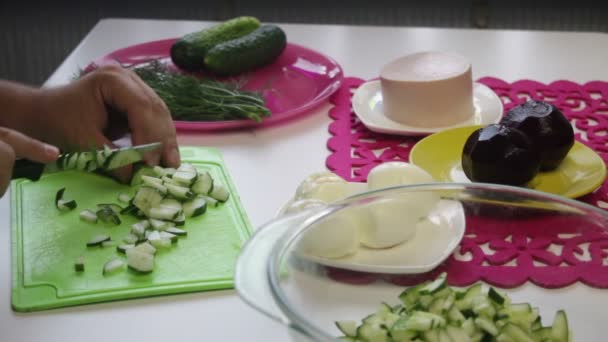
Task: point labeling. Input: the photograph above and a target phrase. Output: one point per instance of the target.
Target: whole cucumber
(189, 52)
(256, 49)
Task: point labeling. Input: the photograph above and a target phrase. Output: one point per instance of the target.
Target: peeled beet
(500, 154)
(549, 130)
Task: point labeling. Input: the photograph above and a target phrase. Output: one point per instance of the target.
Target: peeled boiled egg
(324, 186)
(393, 220)
(334, 236)
(303, 204)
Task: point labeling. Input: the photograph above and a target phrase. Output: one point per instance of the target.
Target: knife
(104, 159)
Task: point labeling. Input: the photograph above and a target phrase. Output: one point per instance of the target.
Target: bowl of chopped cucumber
(283, 273)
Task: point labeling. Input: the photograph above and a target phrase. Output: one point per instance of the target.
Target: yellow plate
(581, 172)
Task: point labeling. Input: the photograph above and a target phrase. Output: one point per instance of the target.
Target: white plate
(435, 240)
(368, 106)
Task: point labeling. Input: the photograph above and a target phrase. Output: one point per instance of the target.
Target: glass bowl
(276, 275)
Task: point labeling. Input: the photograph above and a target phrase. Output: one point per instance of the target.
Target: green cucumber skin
(254, 50)
(189, 52)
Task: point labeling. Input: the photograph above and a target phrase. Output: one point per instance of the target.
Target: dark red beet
(550, 131)
(500, 154)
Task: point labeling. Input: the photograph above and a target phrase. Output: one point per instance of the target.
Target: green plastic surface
(47, 242)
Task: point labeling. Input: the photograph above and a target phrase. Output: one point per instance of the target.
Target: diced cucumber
(486, 325)
(179, 192)
(186, 167)
(219, 192)
(88, 216)
(140, 261)
(559, 330)
(124, 197)
(141, 169)
(185, 178)
(203, 184)
(108, 243)
(180, 220)
(123, 248)
(210, 200)
(457, 334)
(97, 240)
(516, 333)
(130, 239)
(79, 264)
(171, 203)
(495, 296)
(64, 204)
(113, 266)
(372, 332)
(167, 235)
(348, 328)
(146, 247)
(195, 207)
(108, 215)
(138, 229)
(176, 231)
(423, 321)
(163, 213)
(159, 225)
(435, 286)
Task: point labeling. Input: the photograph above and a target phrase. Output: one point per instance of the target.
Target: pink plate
(299, 80)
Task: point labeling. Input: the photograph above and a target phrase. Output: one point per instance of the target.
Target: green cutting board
(46, 242)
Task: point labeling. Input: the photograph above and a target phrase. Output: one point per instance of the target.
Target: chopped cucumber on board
(164, 198)
(436, 312)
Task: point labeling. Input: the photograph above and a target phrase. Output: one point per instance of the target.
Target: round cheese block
(428, 89)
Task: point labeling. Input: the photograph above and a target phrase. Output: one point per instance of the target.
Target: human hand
(17, 145)
(104, 105)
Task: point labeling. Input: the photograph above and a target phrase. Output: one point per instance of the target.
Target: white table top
(266, 173)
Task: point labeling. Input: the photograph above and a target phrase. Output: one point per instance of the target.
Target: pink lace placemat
(508, 259)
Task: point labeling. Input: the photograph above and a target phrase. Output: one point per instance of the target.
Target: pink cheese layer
(428, 89)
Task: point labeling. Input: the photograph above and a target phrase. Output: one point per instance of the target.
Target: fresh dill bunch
(192, 99)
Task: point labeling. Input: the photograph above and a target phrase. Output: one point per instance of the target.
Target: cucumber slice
(64, 204)
(97, 240)
(210, 200)
(141, 169)
(124, 197)
(180, 220)
(123, 248)
(138, 229)
(171, 203)
(166, 235)
(130, 239)
(112, 266)
(140, 261)
(220, 193)
(84, 159)
(147, 197)
(185, 178)
(162, 172)
(203, 184)
(186, 167)
(146, 247)
(108, 215)
(179, 192)
(88, 216)
(158, 224)
(155, 183)
(121, 157)
(195, 207)
(72, 161)
(163, 213)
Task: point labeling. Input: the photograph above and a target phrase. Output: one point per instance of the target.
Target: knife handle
(25, 168)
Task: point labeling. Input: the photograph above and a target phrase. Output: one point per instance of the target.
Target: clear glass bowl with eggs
(289, 272)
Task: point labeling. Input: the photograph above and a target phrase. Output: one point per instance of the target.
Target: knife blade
(105, 159)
